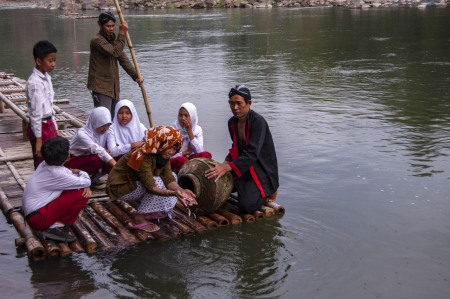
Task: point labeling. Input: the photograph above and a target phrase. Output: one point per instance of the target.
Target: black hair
(55, 151)
(43, 48)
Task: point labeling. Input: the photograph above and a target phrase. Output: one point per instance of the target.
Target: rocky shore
(77, 5)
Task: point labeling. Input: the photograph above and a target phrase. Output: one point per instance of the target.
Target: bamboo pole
(258, 215)
(53, 251)
(14, 171)
(98, 235)
(14, 108)
(160, 235)
(169, 228)
(64, 249)
(233, 218)
(219, 219)
(78, 123)
(268, 212)
(191, 222)
(232, 208)
(77, 247)
(130, 45)
(277, 208)
(126, 219)
(114, 222)
(210, 224)
(24, 156)
(85, 237)
(35, 249)
(182, 227)
(105, 228)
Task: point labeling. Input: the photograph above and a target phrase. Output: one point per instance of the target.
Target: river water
(358, 103)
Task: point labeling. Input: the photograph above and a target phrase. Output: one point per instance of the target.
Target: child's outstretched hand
(87, 192)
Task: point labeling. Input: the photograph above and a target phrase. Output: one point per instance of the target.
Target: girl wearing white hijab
(126, 131)
(87, 147)
(192, 134)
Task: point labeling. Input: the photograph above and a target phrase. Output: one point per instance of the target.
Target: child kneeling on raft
(55, 195)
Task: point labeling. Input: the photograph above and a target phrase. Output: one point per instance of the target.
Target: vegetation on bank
(76, 5)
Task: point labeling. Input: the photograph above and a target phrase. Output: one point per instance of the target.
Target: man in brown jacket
(106, 51)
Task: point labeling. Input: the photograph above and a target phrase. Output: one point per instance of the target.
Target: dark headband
(105, 17)
(241, 90)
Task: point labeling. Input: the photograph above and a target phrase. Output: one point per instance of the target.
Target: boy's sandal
(148, 227)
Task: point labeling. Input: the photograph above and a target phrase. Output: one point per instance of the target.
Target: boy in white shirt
(55, 195)
(39, 92)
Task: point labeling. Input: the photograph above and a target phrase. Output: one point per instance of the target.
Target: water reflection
(67, 279)
(249, 255)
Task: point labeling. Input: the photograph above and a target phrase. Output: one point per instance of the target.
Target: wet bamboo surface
(103, 224)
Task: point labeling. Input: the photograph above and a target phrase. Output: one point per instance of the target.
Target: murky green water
(358, 103)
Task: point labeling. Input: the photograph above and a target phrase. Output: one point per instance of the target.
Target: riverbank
(78, 5)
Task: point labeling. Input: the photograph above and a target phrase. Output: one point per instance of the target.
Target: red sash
(234, 152)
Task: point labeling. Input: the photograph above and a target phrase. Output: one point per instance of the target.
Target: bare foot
(272, 197)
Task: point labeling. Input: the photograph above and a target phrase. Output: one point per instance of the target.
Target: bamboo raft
(103, 224)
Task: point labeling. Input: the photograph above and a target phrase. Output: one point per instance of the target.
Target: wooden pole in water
(126, 219)
(194, 224)
(114, 222)
(233, 218)
(85, 237)
(276, 207)
(182, 227)
(130, 45)
(34, 247)
(219, 219)
(210, 224)
(98, 235)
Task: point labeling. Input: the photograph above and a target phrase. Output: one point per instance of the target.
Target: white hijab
(192, 110)
(131, 132)
(99, 117)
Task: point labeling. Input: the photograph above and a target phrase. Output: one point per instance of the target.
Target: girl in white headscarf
(192, 134)
(126, 131)
(87, 147)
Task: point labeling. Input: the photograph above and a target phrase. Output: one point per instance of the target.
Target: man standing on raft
(106, 51)
(252, 158)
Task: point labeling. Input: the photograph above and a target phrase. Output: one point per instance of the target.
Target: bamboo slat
(276, 207)
(103, 227)
(35, 249)
(53, 251)
(84, 237)
(182, 227)
(233, 218)
(268, 212)
(258, 215)
(114, 222)
(219, 219)
(210, 224)
(64, 249)
(98, 235)
(191, 222)
(127, 220)
(76, 247)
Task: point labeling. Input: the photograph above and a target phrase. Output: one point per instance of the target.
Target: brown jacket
(122, 179)
(103, 76)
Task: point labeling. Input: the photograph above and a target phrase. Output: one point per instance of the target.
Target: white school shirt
(47, 183)
(40, 94)
(87, 141)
